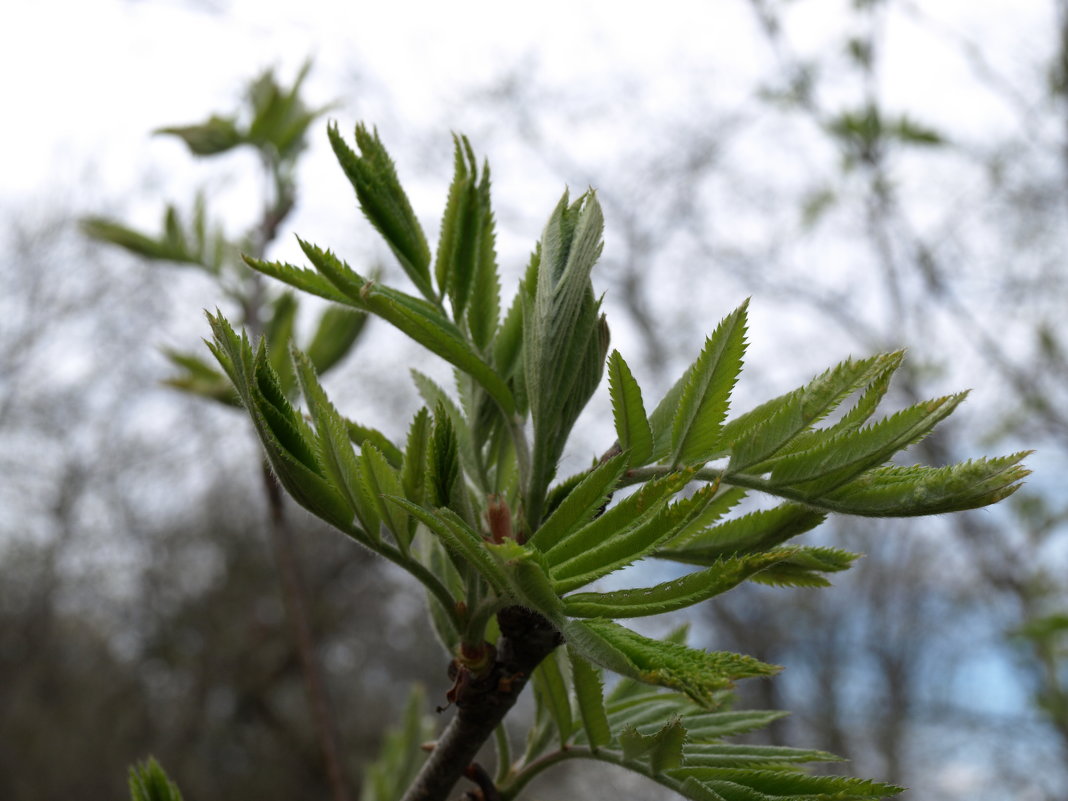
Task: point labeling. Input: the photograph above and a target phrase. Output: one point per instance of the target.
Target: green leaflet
(414, 470)
(660, 421)
(550, 686)
(918, 490)
(148, 782)
(670, 596)
(589, 695)
(440, 564)
(646, 713)
(285, 436)
(628, 514)
(662, 750)
(461, 539)
(299, 278)
(466, 265)
(335, 449)
(338, 329)
(711, 503)
(383, 482)
(278, 334)
(782, 784)
(805, 567)
(841, 457)
(777, 424)
(444, 476)
(360, 435)
(696, 425)
(581, 504)
(210, 138)
(419, 319)
(632, 424)
(699, 674)
(712, 726)
(440, 401)
(633, 540)
(402, 753)
(199, 378)
(508, 344)
(162, 249)
(723, 755)
(385, 203)
(751, 533)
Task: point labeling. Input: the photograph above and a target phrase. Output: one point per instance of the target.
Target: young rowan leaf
(783, 425)
(278, 333)
(782, 784)
(580, 505)
(662, 750)
(465, 267)
(402, 753)
(385, 203)
(906, 491)
(420, 320)
(434, 397)
(485, 307)
(627, 515)
(299, 278)
(706, 727)
(709, 504)
(415, 460)
(673, 595)
(724, 755)
(335, 449)
(589, 695)
(361, 434)
(804, 567)
(200, 378)
(338, 329)
(753, 533)
(508, 343)
(105, 230)
(443, 473)
(149, 782)
(383, 482)
(459, 538)
(564, 336)
(286, 438)
(699, 674)
(840, 457)
(217, 135)
(632, 424)
(696, 426)
(551, 690)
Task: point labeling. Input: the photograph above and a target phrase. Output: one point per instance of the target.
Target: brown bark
(482, 701)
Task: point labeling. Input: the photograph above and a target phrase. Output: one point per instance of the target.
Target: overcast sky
(85, 79)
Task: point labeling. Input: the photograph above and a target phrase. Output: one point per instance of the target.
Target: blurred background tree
(857, 216)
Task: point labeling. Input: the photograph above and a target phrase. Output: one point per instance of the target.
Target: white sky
(86, 79)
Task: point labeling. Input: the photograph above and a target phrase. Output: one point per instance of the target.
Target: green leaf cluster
(468, 505)
(274, 122)
(149, 782)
